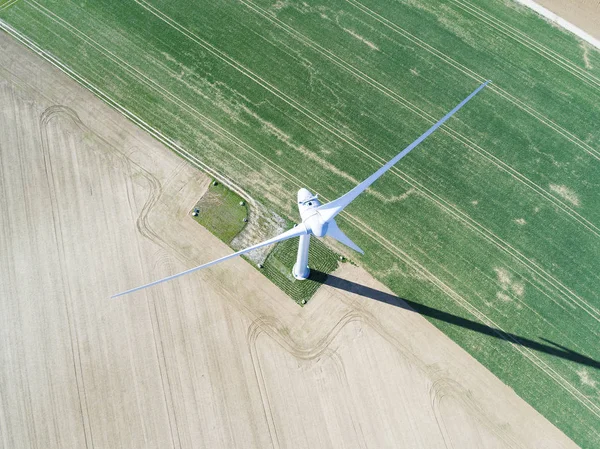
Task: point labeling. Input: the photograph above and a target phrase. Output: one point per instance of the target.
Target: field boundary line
(452, 210)
(212, 125)
(8, 4)
(168, 142)
(529, 42)
(479, 78)
(198, 163)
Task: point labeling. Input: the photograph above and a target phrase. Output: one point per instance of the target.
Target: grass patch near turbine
(221, 212)
(278, 268)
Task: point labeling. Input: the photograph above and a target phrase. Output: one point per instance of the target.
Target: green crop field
(491, 227)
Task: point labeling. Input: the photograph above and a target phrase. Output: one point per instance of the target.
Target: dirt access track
(92, 205)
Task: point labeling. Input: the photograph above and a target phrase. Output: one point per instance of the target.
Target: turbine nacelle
(306, 200)
(308, 205)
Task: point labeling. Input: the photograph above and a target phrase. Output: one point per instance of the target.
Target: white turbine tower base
(301, 270)
(318, 219)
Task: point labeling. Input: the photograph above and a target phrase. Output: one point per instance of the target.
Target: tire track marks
(45, 119)
(479, 78)
(448, 388)
(8, 4)
(272, 327)
(157, 334)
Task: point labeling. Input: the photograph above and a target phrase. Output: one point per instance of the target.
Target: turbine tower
(319, 219)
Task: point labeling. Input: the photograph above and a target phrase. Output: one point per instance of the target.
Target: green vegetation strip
(279, 263)
(220, 211)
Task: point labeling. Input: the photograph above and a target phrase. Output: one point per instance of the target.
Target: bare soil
(583, 13)
(91, 205)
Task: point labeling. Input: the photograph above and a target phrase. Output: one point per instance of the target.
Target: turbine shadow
(553, 349)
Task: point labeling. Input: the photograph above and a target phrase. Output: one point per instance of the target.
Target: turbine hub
(315, 224)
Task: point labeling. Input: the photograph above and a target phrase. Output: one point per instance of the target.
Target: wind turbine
(319, 219)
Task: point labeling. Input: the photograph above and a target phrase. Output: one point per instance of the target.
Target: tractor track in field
(155, 190)
(272, 327)
(157, 332)
(377, 237)
(479, 78)
(165, 380)
(447, 388)
(441, 386)
(45, 140)
(254, 330)
(8, 4)
(320, 349)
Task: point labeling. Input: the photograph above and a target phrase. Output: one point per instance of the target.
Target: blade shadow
(553, 349)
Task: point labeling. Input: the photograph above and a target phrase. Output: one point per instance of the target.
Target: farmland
(495, 219)
(220, 359)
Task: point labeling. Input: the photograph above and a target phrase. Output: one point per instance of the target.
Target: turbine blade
(330, 210)
(294, 232)
(336, 233)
